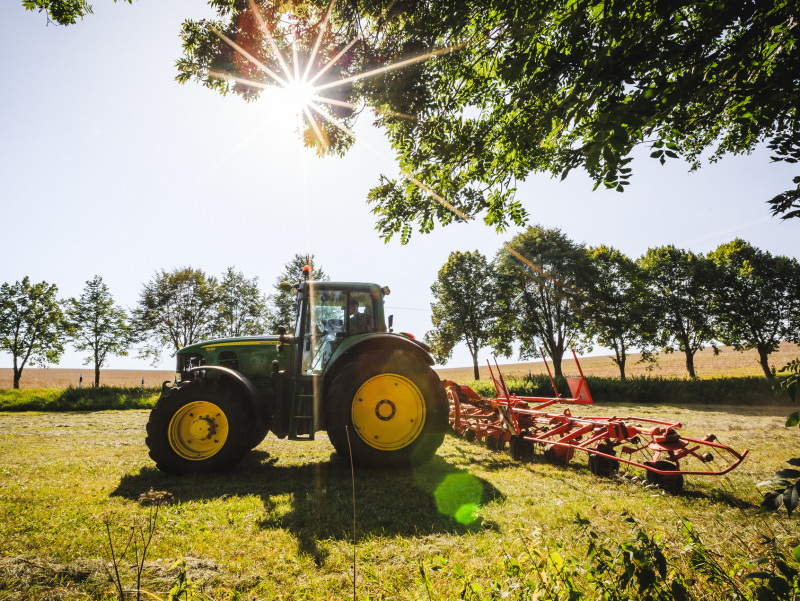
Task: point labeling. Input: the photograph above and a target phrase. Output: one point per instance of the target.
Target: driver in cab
(358, 321)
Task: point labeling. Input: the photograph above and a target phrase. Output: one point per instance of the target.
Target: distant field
(56, 377)
(727, 363)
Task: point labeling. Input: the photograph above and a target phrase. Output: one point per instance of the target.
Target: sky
(108, 166)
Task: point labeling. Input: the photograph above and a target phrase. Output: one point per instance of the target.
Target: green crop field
(281, 526)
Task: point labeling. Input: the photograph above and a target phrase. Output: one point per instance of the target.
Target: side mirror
(391, 322)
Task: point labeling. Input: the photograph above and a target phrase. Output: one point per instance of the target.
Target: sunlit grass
(281, 524)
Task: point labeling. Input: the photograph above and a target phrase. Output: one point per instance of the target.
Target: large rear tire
(392, 405)
(199, 427)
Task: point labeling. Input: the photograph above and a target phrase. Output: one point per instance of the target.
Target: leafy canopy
(543, 278)
(175, 309)
(97, 326)
(528, 87)
(757, 301)
(681, 284)
(283, 303)
(466, 307)
(32, 327)
(62, 12)
(617, 308)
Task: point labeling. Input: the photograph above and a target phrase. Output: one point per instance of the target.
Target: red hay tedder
(524, 423)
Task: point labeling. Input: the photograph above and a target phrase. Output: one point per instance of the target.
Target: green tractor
(342, 371)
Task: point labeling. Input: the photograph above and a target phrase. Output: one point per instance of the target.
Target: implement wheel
(670, 483)
(392, 405)
(557, 454)
(603, 466)
(520, 449)
(199, 427)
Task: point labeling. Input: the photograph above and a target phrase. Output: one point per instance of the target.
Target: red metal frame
(651, 445)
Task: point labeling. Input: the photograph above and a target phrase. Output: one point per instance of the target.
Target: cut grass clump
(78, 399)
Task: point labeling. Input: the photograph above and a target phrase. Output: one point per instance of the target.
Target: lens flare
(300, 93)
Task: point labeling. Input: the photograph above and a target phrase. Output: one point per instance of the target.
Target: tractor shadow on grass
(314, 501)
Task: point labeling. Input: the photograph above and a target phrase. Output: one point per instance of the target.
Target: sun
(299, 94)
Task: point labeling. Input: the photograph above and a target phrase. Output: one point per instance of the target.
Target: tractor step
(301, 419)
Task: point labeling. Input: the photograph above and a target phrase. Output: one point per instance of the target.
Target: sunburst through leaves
(273, 49)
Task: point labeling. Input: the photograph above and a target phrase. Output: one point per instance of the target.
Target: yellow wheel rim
(198, 431)
(388, 412)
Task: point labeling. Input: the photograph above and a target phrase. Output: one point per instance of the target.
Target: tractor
(341, 371)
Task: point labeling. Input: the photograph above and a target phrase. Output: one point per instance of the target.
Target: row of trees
(175, 308)
(544, 290)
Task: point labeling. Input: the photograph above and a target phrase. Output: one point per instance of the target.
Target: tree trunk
(96, 375)
(558, 355)
(690, 363)
(475, 369)
(622, 356)
(17, 373)
(763, 359)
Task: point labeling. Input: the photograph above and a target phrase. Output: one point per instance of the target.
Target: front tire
(199, 427)
(392, 405)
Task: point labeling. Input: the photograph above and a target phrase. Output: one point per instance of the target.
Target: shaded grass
(78, 399)
(280, 525)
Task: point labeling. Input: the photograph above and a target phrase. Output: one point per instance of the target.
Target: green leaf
(793, 420)
(796, 553)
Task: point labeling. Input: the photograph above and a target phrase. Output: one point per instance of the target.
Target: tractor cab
(328, 313)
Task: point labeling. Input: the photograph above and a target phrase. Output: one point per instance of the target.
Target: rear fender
(373, 343)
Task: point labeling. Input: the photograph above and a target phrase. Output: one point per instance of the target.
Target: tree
(31, 324)
(242, 307)
(62, 12)
(98, 326)
(176, 309)
(543, 278)
(681, 284)
(465, 308)
(618, 308)
(757, 304)
(513, 88)
(284, 305)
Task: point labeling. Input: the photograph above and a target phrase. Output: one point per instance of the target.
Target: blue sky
(108, 166)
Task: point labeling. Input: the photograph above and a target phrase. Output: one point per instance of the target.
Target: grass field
(281, 525)
(470, 524)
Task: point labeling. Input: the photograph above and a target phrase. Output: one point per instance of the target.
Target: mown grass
(78, 399)
(281, 525)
